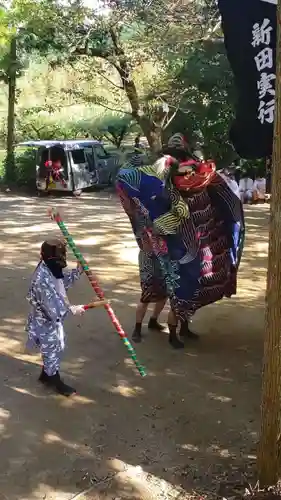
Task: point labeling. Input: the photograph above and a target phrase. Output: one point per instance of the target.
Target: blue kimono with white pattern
(49, 308)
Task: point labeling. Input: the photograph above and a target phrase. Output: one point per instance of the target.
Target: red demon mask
(194, 175)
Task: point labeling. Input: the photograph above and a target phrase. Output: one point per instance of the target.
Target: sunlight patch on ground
(53, 438)
(190, 447)
(38, 228)
(222, 452)
(26, 392)
(76, 401)
(14, 321)
(217, 397)
(92, 240)
(126, 391)
(134, 482)
(129, 255)
(4, 417)
(45, 491)
(7, 345)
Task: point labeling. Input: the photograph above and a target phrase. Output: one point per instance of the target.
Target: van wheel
(77, 193)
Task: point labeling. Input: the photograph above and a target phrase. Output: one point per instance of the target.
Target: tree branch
(112, 109)
(92, 100)
(170, 119)
(109, 81)
(92, 52)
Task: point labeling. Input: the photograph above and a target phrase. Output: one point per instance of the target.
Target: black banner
(249, 28)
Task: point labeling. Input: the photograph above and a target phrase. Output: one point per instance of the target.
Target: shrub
(26, 168)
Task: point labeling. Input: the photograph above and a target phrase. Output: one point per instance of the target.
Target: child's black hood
(53, 253)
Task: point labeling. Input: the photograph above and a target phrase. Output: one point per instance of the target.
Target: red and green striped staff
(54, 214)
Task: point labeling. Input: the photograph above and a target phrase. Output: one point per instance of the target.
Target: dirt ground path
(180, 431)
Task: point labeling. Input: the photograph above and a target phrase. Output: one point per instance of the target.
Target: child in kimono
(49, 307)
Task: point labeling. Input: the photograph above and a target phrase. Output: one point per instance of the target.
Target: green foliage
(160, 29)
(253, 168)
(43, 127)
(50, 109)
(114, 128)
(2, 166)
(26, 169)
(204, 91)
(36, 124)
(107, 76)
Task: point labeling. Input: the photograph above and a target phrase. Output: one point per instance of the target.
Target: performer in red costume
(187, 219)
(54, 171)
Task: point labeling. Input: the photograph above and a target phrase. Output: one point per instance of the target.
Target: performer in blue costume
(187, 219)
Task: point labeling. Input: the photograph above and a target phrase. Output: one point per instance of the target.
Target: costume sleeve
(168, 212)
(70, 276)
(42, 295)
(131, 211)
(230, 208)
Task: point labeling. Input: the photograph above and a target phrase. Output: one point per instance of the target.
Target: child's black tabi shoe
(56, 383)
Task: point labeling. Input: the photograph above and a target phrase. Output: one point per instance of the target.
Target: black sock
(136, 337)
(154, 324)
(138, 328)
(173, 339)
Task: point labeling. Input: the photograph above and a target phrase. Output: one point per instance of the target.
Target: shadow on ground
(189, 426)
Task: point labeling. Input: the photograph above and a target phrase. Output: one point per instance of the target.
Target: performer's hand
(77, 310)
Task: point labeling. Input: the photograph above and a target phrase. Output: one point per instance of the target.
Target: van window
(78, 156)
(100, 152)
(90, 158)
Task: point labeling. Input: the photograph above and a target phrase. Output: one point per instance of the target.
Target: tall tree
(130, 33)
(12, 81)
(269, 457)
(26, 26)
(8, 71)
(201, 89)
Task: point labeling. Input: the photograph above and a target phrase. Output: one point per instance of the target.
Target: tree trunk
(152, 133)
(149, 129)
(10, 172)
(269, 446)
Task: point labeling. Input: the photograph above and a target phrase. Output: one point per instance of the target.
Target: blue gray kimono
(49, 308)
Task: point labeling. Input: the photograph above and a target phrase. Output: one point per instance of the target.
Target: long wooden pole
(269, 447)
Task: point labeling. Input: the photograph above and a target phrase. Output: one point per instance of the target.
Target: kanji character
(261, 33)
(264, 59)
(265, 85)
(266, 111)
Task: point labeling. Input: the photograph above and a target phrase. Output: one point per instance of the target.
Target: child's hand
(77, 310)
(79, 268)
